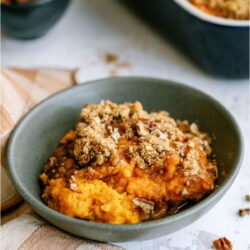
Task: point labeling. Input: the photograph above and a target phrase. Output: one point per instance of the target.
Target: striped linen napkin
(21, 89)
(30, 232)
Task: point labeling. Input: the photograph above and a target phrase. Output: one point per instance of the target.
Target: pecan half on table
(222, 244)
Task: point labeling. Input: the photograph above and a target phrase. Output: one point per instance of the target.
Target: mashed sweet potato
(124, 165)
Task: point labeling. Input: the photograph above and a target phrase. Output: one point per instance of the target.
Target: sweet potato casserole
(124, 165)
(235, 9)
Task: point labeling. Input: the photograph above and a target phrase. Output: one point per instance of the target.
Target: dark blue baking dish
(32, 20)
(218, 45)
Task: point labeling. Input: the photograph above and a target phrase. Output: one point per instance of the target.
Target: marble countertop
(92, 28)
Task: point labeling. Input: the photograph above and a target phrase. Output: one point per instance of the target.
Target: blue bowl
(28, 21)
(218, 45)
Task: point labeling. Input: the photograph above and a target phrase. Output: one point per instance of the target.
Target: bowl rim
(41, 208)
(193, 10)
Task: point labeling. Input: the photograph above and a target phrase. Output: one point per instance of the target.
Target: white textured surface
(92, 28)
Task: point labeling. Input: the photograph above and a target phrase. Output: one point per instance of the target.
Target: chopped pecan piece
(222, 244)
(244, 211)
(146, 206)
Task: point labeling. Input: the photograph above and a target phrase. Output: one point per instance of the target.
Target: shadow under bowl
(40, 130)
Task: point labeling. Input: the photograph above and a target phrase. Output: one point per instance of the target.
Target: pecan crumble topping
(235, 9)
(152, 135)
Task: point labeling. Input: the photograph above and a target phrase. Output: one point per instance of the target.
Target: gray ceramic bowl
(39, 132)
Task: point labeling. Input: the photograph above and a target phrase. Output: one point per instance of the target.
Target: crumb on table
(244, 211)
(111, 58)
(247, 197)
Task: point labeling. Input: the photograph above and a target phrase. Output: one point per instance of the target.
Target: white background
(92, 28)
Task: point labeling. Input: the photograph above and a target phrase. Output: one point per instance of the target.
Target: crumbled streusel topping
(93, 144)
(150, 137)
(236, 9)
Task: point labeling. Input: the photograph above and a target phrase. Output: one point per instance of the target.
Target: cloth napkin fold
(30, 232)
(21, 89)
